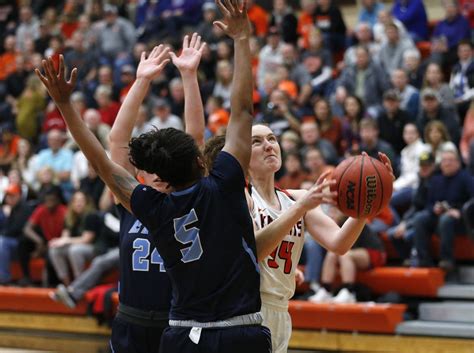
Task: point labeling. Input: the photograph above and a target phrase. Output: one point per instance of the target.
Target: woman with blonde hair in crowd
(438, 140)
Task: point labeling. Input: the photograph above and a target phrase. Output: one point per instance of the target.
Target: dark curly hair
(169, 153)
(212, 148)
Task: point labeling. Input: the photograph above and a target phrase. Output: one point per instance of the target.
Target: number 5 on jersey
(187, 233)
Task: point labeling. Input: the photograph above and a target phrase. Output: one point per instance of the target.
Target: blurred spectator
(363, 34)
(88, 32)
(29, 106)
(206, 29)
(328, 18)
(392, 121)
(41, 43)
(223, 85)
(92, 185)
(391, 52)
(177, 96)
(403, 233)
(434, 80)
(314, 77)
(315, 164)
(386, 218)
(311, 138)
(142, 122)
(285, 84)
(8, 57)
(366, 80)
(270, 56)
(384, 19)
(466, 145)
(413, 67)
(405, 185)
(283, 18)
(412, 13)
(462, 77)
(409, 95)
(108, 108)
(163, 118)
(353, 114)
(258, 17)
(28, 28)
(279, 114)
(369, 12)
(372, 144)
(447, 194)
(9, 10)
(59, 159)
(24, 161)
(16, 81)
(27, 193)
(8, 146)
(467, 9)
(115, 35)
(16, 213)
(80, 56)
(305, 22)
(329, 125)
(366, 253)
(217, 116)
(75, 246)
(289, 141)
(316, 45)
(46, 223)
(449, 32)
(433, 110)
(294, 173)
(437, 139)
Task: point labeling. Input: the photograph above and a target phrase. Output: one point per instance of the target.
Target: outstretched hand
(190, 57)
(387, 163)
(320, 193)
(235, 22)
(55, 82)
(150, 67)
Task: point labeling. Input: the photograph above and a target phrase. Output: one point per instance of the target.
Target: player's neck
(265, 186)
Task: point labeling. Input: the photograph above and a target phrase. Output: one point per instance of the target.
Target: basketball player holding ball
(279, 253)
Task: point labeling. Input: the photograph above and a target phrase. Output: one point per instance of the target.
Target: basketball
(364, 186)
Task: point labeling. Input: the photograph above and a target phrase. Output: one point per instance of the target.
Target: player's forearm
(347, 235)
(242, 85)
(268, 238)
(193, 108)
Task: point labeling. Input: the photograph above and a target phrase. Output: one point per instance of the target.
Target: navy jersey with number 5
(205, 236)
(144, 283)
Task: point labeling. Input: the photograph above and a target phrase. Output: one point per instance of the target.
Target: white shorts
(279, 323)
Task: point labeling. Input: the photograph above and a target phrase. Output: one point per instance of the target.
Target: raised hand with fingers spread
(235, 22)
(188, 61)
(151, 67)
(58, 87)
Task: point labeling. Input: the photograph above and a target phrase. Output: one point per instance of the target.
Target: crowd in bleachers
(397, 83)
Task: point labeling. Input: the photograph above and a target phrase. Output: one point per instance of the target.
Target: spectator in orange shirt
(306, 22)
(8, 58)
(259, 18)
(8, 146)
(218, 117)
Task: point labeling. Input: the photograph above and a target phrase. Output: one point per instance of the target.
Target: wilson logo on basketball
(350, 195)
(371, 184)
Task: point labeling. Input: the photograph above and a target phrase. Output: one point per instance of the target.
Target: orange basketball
(364, 186)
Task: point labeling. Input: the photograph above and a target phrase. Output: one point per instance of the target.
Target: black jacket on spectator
(391, 130)
(448, 117)
(287, 25)
(330, 21)
(16, 220)
(92, 187)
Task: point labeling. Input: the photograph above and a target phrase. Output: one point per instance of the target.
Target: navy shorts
(131, 338)
(236, 339)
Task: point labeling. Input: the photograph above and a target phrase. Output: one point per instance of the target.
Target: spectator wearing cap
(8, 146)
(462, 77)
(407, 182)
(392, 120)
(409, 95)
(413, 67)
(433, 110)
(402, 234)
(270, 56)
(28, 28)
(412, 14)
(449, 32)
(391, 52)
(369, 12)
(46, 223)
(15, 213)
(328, 18)
(311, 138)
(447, 193)
(283, 17)
(163, 118)
(434, 79)
(365, 79)
(363, 34)
(438, 140)
(115, 35)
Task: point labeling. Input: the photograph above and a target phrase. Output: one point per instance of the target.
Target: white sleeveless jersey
(277, 271)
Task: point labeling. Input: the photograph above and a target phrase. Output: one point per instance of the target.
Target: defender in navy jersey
(188, 213)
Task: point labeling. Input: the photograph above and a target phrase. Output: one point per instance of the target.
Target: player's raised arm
(116, 177)
(148, 69)
(187, 63)
(237, 26)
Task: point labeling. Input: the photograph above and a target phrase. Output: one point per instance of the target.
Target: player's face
(266, 153)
